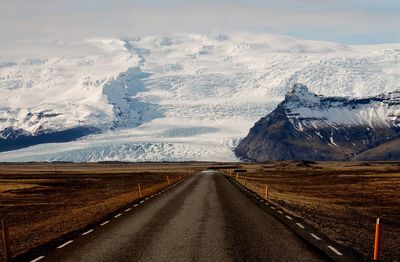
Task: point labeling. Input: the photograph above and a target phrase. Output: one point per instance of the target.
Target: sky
(343, 21)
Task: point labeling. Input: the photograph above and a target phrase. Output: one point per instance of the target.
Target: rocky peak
(312, 127)
(301, 95)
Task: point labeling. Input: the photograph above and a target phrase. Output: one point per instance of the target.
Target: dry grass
(342, 200)
(41, 202)
(44, 201)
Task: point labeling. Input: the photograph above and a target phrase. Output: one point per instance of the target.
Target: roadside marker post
(168, 180)
(378, 240)
(6, 241)
(245, 181)
(237, 176)
(139, 190)
(266, 192)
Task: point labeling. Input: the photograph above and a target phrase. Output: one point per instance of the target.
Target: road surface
(203, 218)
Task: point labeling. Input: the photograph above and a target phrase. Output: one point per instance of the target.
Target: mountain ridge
(187, 96)
(306, 126)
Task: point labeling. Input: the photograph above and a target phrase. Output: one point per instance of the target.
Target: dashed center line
(128, 209)
(147, 198)
(66, 243)
(141, 202)
(88, 232)
(300, 225)
(273, 208)
(135, 205)
(288, 217)
(104, 223)
(37, 259)
(335, 251)
(117, 215)
(315, 236)
(280, 212)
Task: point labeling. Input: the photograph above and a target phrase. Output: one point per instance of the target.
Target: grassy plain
(342, 200)
(41, 202)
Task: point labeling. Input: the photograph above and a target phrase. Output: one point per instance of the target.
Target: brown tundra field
(342, 200)
(42, 201)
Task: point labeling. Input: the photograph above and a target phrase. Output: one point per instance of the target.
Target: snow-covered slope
(184, 97)
(307, 110)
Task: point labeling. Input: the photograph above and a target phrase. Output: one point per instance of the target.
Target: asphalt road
(203, 218)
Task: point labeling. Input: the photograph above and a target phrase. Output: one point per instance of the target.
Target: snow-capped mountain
(184, 97)
(313, 127)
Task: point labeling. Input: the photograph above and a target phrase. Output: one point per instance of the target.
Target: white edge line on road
(128, 209)
(66, 243)
(104, 223)
(141, 202)
(87, 232)
(315, 236)
(335, 251)
(135, 205)
(37, 259)
(117, 215)
(288, 217)
(300, 225)
(147, 198)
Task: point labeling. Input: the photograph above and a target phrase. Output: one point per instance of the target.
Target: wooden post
(6, 241)
(168, 180)
(237, 176)
(266, 192)
(139, 190)
(378, 240)
(245, 181)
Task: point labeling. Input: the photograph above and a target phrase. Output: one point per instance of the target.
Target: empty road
(203, 218)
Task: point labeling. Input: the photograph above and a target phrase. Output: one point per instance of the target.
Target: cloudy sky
(345, 21)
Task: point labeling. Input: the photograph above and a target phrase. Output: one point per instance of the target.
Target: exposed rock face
(12, 139)
(312, 127)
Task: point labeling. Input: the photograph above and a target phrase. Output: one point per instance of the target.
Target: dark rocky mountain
(12, 138)
(307, 126)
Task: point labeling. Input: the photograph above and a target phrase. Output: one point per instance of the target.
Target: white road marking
(135, 205)
(280, 212)
(335, 251)
(128, 209)
(300, 225)
(117, 215)
(104, 223)
(141, 202)
(273, 207)
(315, 236)
(147, 198)
(66, 243)
(37, 259)
(88, 232)
(288, 217)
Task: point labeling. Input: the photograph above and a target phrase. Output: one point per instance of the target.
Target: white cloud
(318, 19)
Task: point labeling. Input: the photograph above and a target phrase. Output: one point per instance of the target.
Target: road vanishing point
(206, 217)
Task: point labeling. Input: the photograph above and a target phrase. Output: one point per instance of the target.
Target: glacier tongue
(184, 97)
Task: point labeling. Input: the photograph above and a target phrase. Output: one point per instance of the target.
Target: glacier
(177, 98)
